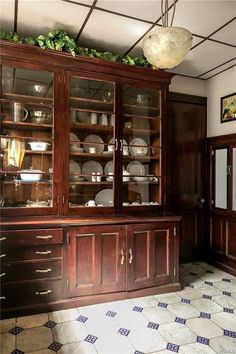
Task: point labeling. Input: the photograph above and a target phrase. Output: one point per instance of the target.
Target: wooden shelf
(33, 152)
(25, 125)
(92, 127)
(88, 155)
(132, 131)
(27, 102)
(140, 158)
(27, 98)
(140, 106)
(139, 116)
(19, 181)
(90, 100)
(87, 183)
(90, 110)
(33, 138)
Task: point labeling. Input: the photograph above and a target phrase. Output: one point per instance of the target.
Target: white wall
(188, 85)
(217, 87)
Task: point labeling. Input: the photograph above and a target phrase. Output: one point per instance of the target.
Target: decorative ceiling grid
(120, 25)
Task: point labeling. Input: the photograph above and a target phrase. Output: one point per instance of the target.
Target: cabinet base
(225, 267)
(87, 300)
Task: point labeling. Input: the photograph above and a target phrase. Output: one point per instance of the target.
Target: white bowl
(140, 178)
(30, 175)
(39, 145)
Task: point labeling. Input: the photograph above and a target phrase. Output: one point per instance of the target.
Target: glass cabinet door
(141, 146)
(92, 143)
(27, 141)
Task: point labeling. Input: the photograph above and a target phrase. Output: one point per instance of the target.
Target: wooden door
(96, 259)
(150, 255)
(186, 161)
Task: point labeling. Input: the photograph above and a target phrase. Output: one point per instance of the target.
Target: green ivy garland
(59, 40)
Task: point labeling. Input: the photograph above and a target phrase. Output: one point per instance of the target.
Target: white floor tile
(167, 298)
(7, 343)
(34, 339)
(6, 325)
(205, 305)
(69, 332)
(32, 321)
(147, 340)
(64, 315)
(189, 293)
(208, 290)
(225, 286)
(147, 301)
(223, 345)
(204, 327)
(225, 320)
(225, 301)
(177, 333)
(115, 344)
(158, 315)
(196, 348)
(81, 347)
(183, 310)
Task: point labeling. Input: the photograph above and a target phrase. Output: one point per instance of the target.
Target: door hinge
(212, 202)
(229, 170)
(175, 231)
(213, 152)
(67, 283)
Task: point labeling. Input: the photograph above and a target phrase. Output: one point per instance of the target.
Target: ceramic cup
(19, 112)
(94, 118)
(103, 119)
(90, 203)
(110, 148)
(92, 150)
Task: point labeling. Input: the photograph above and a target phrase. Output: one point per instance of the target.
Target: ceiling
(120, 25)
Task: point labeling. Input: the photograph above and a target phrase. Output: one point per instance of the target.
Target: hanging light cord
(164, 13)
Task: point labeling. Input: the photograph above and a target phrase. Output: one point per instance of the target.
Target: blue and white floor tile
(200, 319)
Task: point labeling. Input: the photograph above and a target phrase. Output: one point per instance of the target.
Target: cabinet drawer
(34, 293)
(21, 238)
(30, 253)
(11, 272)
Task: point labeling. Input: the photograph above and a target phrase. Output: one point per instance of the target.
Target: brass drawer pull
(46, 237)
(43, 252)
(2, 275)
(2, 298)
(2, 255)
(130, 256)
(3, 238)
(44, 292)
(122, 256)
(43, 270)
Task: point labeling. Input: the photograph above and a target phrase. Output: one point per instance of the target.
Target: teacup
(90, 203)
(93, 118)
(92, 150)
(103, 119)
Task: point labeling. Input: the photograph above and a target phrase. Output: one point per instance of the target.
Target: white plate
(108, 167)
(136, 150)
(74, 168)
(90, 167)
(94, 139)
(104, 197)
(125, 147)
(136, 168)
(74, 137)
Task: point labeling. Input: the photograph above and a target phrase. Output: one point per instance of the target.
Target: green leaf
(29, 40)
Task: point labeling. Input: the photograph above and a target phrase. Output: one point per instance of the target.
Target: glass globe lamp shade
(166, 47)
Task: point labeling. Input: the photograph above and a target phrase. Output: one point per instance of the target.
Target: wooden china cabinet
(83, 181)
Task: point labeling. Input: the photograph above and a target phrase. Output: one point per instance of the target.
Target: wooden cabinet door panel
(94, 260)
(231, 242)
(217, 237)
(150, 252)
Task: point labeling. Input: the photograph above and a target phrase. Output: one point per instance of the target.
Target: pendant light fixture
(166, 47)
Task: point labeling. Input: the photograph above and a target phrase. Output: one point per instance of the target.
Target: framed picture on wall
(228, 108)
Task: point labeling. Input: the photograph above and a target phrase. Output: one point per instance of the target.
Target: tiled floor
(200, 319)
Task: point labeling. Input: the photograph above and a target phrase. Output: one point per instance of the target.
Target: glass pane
(221, 178)
(142, 147)
(234, 179)
(91, 165)
(26, 138)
